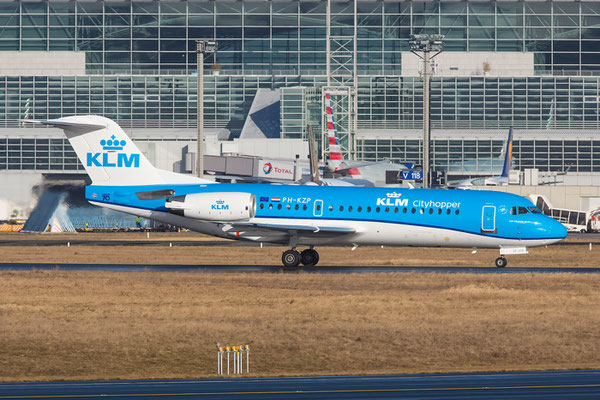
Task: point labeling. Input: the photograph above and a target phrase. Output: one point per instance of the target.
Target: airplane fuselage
(382, 216)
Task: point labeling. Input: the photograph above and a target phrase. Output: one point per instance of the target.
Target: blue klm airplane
(124, 180)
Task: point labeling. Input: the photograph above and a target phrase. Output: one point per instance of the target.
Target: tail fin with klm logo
(109, 156)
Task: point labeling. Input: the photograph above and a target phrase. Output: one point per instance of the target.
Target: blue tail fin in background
(508, 155)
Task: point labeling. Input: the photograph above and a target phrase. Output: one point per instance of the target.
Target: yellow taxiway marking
(306, 391)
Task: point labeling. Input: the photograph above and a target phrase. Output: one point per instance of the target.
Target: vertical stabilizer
(336, 159)
(106, 152)
(508, 155)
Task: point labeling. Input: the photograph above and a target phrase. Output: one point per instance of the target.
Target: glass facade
(484, 156)
(459, 156)
(383, 102)
(288, 37)
(141, 61)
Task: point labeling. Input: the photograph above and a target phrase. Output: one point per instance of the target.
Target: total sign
(276, 169)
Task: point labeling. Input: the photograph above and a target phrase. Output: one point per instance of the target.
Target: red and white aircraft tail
(336, 160)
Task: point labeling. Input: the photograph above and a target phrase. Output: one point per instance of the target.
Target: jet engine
(219, 206)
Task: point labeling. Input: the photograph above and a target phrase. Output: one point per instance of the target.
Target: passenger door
(488, 219)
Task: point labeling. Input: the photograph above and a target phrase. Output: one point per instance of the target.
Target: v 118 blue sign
(412, 175)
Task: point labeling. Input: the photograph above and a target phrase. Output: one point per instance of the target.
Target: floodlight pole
(426, 120)
(202, 47)
(426, 44)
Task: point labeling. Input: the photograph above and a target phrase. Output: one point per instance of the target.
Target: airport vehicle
(573, 220)
(296, 215)
(594, 221)
(491, 180)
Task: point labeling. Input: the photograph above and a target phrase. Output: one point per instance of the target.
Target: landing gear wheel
(501, 262)
(291, 258)
(310, 257)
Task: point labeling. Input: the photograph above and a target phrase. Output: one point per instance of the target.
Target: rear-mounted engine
(220, 206)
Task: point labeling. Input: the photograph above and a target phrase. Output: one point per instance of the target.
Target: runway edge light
(238, 358)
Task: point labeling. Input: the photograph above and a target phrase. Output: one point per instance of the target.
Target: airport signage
(276, 169)
(412, 175)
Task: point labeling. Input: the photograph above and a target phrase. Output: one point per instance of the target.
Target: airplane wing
(264, 229)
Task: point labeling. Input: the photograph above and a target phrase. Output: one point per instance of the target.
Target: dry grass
(102, 325)
(553, 256)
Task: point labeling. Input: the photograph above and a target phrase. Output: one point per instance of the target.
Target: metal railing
(477, 125)
(322, 72)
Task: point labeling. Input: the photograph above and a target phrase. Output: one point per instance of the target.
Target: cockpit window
(522, 210)
(534, 210)
(513, 211)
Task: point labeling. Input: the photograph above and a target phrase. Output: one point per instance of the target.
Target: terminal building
(533, 65)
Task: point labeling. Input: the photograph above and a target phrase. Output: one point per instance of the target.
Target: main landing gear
(501, 262)
(292, 258)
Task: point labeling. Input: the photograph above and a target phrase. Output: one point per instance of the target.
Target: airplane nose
(556, 229)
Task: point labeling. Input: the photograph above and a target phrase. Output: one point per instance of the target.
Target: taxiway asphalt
(546, 385)
(278, 268)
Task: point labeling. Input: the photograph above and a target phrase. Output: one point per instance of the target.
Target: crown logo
(394, 195)
(220, 201)
(112, 144)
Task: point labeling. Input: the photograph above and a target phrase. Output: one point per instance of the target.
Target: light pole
(426, 44)
(202, 47)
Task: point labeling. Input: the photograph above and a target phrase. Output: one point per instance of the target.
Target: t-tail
(108, 154)
(336, 159)
(508, 155)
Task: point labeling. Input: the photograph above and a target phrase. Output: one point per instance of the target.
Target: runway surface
(278, 268)
(513, 385)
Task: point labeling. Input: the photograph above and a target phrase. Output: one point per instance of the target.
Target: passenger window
(359, 209)
(270, 206)
(341, 208)
(448, 211)
(513, 211)
(439, 211)
(387, 209)
(404, 210)
(279, 206)
(349, 208)
(330, 208)
(262, 205)
(318, 207)
(413, 210)
(396, 210)
(289, 206)
(431, 211)
(304, 207)
(422, 211)
(456, 211)
(377, 209)
(296, 207)
(523, 210)
(368, 209)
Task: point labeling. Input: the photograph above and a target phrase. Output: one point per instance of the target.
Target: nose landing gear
(291, 258)
(501, 262)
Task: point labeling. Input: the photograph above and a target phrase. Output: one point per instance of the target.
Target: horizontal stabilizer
(66, 124)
